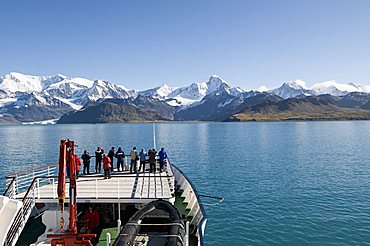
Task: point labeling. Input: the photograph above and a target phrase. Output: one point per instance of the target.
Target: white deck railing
(26, 185)
(22, 216)
(20, 182)
(196, 210)
(27, 182)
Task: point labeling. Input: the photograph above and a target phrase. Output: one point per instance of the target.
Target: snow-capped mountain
(17, 82)
(298, 87)
(69, 87)
(28, 97)
(190, 94)
(337, 89)
(160, 92)
(102, 89)
(36, 99)
(215, 106)
(24, 91)
(293, 89)
(35, 106)
(73, 91)
(187, 95)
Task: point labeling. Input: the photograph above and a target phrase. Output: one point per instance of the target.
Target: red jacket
(106, 162)
(78, 163)
(92, 219)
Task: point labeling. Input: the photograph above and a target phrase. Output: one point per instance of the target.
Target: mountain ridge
(26, 98)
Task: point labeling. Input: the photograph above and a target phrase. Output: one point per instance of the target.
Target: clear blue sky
(145, 43)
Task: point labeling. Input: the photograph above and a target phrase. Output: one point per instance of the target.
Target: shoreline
(187, 121)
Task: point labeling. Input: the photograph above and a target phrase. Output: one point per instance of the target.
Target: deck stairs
(15, 210)
(9, 210)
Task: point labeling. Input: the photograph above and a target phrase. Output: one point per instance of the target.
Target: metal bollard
(108, 238)
(118, 227)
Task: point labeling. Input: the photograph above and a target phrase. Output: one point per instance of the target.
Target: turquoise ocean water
(284, 183)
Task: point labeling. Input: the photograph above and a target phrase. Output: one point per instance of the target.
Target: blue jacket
(162, 155)
(142, 156)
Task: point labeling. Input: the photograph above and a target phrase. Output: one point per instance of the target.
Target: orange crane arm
(71, 237)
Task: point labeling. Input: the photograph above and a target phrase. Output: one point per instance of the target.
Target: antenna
(154, 142)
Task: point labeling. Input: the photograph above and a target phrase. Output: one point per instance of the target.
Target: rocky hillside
(121, 110)
(305, 108)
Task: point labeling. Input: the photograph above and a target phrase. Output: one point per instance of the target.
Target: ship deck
(122, 187)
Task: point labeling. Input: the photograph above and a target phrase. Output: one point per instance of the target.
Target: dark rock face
(3, 94)
(121, 110)
(36, 107)
(214, 107)
(166, 111)
(354, 100)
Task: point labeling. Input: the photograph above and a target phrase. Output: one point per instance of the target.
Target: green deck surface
(103, 237)
(180, 205)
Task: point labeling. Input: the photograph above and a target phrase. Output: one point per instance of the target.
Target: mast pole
(154, 141)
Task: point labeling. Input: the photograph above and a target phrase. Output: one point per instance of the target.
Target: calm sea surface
(294, 183)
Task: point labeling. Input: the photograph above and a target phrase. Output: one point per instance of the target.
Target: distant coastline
(237, 118)
(334, 116)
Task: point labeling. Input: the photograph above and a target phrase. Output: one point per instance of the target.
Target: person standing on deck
(92, 220)
(142, 156)
(98, 157)
(162, 158)
(86, 160)
(120, 155)
(78, 166)
(134, 159)
(111, 155)
(152, 153)
(107, 166)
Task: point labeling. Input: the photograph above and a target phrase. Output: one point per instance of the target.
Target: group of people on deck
(107, 160)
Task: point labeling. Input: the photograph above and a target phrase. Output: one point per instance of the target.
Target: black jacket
(111, 154)
(85, 158)
(120, 155)
(99, 155)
